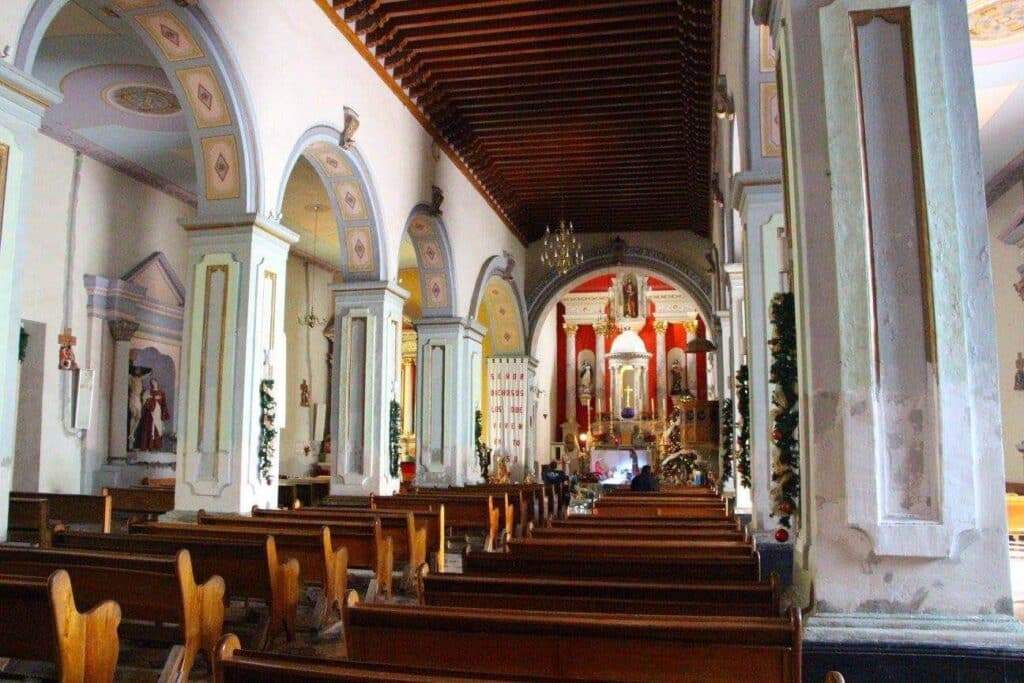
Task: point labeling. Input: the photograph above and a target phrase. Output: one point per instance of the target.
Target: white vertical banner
(509, 396)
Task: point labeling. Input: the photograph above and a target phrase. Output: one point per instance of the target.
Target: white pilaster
(122, 332)
(759, 201)
(601, 330)
(234, 339)
(570, 373)
(368, 329)
(23, 101)
(661, 366)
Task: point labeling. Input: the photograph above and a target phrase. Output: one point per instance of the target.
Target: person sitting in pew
(552, 475)
(645, 481)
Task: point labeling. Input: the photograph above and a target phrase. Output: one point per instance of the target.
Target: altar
(615, 465)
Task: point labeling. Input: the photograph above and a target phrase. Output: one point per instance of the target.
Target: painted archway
(548, 292)
(429, 237)
(205, 82)
(497, 297)
(354, 202)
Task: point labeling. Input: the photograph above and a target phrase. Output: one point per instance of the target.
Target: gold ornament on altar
(502, 474)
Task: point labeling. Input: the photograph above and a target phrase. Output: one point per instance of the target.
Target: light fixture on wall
(310, 318)
(561, 250)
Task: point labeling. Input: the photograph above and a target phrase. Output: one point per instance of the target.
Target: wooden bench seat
(40, 621)
(618, 597)
(249, 567)
(623, 648)
(151, 588)
(423, 532)
(641, 534)
(75, 510)
(670, 570)
(596, 548)
(235, 666)
(28, 521)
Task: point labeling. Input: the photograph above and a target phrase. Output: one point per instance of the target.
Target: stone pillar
(737, 353)
(234, 339)
(601, 331)
(661, 366)
(23, 101)
(903, 519)
(122, 332)
(759, 201)
(367, 332)
(409, 351)
(570, 373)
(443, 385)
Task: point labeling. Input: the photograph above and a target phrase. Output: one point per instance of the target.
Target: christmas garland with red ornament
(726, 431)
(743, 440)
(785, 488)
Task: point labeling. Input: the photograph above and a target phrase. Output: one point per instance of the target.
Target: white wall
(547, 381)
(304, 362)
(1009, 325)
(119, 222)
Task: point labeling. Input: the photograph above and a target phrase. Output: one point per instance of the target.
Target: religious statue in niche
(154, 414)
(151, 384)
(677, 371)
(630, 298)
(586, 382)
(304, 394)
(136, 386)
(1018, 378)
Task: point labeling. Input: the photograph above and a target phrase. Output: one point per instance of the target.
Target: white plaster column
(737, 354)
(23, 101)
(368, 331)
(601, 330)
(570, 372)
(445, 401)
(661, 366)
(759, 201)
(903, 509)
(234, 339)
(726, 371)
(409, 350)
(122, 332)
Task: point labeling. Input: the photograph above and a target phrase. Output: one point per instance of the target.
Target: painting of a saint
(630, 298)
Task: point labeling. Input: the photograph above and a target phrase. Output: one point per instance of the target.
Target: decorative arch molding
(496, 287)
(429, 237)
(206, 82)
(598, 259)
(354, 203)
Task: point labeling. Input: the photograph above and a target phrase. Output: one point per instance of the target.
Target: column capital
(240, 224)
(752, 191)
(25, 97)
(122, 330)
(660, 326)
(603, 328)
(570, 328)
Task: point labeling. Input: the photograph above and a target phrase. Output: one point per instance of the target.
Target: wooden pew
(626, 648)
(40, 621)
(302, 491)
(149, 588)
(617, 597)
(250, 568)
(235, 665)
(72, 509)
(595, 548)
(591, 521)
(666, 533)
(366, 545)
(429, 523)
(478, 512)
(140, 502)
(666, 490)
(28, 521)
(657, 569)
(538, 506)
(605, 507)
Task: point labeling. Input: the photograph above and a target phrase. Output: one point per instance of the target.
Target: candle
(652, 406)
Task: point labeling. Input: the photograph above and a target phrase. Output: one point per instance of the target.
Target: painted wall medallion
(221, 164)
(359, 249)
(206, 97)
(146, 100)
(350, 198)
(173, 38)
(997, 22)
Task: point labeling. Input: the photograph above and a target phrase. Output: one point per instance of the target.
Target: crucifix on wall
(66, 357)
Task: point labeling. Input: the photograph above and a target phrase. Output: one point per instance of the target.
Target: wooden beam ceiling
(598, 109)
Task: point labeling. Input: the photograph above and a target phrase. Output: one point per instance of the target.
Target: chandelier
(310, 318)
(562, 250)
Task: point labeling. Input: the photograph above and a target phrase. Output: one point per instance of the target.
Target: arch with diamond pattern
(429, 238)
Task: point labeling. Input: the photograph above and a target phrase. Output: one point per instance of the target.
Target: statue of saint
(154, 412)
(1018, 378)
(136, 387)
(586, 378)
(678, 379)
(630, 298)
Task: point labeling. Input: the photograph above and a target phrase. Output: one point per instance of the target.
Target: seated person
(645, 481)
(552, 475)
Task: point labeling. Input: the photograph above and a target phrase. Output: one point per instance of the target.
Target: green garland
(22, 345)
(268, 432)
(743, 441)
(726, 429)
(394, 433)
(785, 411)
(483, 453)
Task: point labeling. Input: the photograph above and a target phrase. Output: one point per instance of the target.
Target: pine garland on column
(743, 441)
(785, 411)
(268, 432)
(394, 433)
(726, 431)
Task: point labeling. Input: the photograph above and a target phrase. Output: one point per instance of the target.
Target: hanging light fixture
(310, 318)
(561, 250)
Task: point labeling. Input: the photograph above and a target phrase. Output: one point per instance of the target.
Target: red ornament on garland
(776, 435)
(786, 508)
(781, 535)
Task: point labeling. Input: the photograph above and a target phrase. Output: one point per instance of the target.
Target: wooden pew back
(28, 521)
(596, 548)
(72, 509)
(140, 501)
